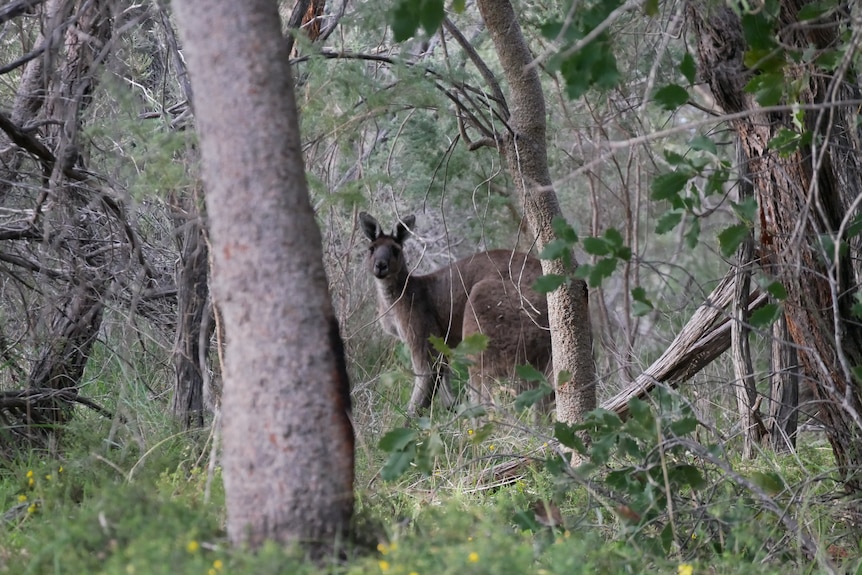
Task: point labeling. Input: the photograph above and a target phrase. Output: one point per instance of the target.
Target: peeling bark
(803, 197)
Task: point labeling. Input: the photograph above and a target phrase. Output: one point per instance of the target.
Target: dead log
(705, 337)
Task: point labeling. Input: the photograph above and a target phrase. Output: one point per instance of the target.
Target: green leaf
(440, 346)
(526, 521)
(548, 283)
(642, 305)
(472, 345)
(757, 29)
(614, 238)
(404, 20)
(530, 397)
(786, 142)
(398, 439)
(556, 249)
(683, 426)
(731, 237)
(596, 246)
(563, 230)
(854, 228)
(856, 309)
(692, 234)
(703, 144)
(458, 6)
(765, 315)
(530, 373)
(688, 68)
(651, 7)
(746, 210)
(766, 60)
(431, 14)
(768, 89)
(668, 222)
(827, 244)
(813, 10)
(688, 475)
(568, 437)
(769, 481)
(604, 268)
(669, 185)
(857, 373)
(397, 463)
(777, 290)
(671, 97)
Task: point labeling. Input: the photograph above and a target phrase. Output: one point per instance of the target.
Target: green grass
(143, 498)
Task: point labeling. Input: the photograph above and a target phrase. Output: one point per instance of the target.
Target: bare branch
(16, 8)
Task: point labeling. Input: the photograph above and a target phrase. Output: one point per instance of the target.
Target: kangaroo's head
(386, 252)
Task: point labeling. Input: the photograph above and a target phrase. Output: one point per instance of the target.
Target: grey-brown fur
(489, 292)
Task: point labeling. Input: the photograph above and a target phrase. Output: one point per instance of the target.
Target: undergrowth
(143, 498)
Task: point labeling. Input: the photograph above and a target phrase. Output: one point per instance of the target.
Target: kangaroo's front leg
(423, 381)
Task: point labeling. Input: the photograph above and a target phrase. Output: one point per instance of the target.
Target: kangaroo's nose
(381, 269)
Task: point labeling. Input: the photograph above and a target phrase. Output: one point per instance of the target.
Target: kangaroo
(489, 292)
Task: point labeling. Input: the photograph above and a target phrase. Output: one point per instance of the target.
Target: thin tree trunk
(71, 328)
(194, 326)
(745, 388)
(525, 150)
(784, 389)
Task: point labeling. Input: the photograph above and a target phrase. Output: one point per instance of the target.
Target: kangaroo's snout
(381, 269)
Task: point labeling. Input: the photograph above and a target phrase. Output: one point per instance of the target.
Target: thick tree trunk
(803, 197)
(525, 150)
(288, 439)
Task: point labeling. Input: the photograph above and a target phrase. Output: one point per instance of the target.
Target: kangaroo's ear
(369, 226)
(404, 228)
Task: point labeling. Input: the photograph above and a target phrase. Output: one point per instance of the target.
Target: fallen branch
(705, 337)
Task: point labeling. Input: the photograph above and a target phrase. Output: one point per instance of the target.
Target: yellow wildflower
(29, 474)
(469, 432)
(60, 470)
(32, 509)
(48, 477)
(473, 557)
(492, 447)
(211, 571)
(414, 573)
(685, 569)
(382, 548)
(384, 566)
(31, 482)
(218, 565)
(22, 498)
(192, 546)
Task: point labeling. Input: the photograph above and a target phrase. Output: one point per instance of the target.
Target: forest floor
(144, 498)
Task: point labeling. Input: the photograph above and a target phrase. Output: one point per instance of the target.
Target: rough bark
(194, 325)
(745, 388)
(803, 197)
(784, 389)
(524, 147)
(288, 440)
(70, 328)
